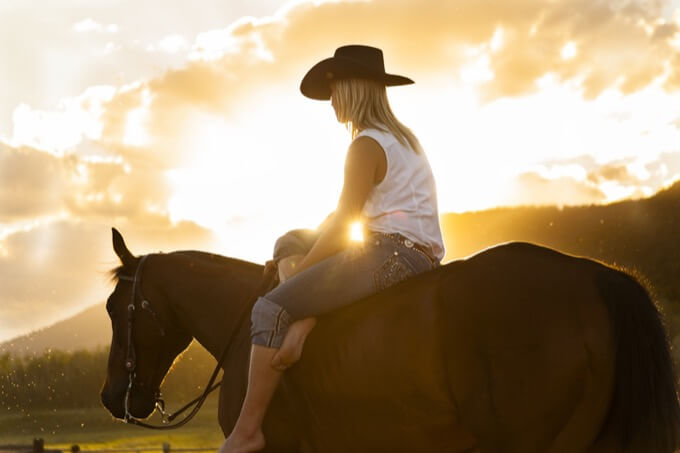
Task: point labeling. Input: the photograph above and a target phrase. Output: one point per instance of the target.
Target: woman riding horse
(389, 185)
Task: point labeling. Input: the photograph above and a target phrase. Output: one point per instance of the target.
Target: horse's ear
(121, 249)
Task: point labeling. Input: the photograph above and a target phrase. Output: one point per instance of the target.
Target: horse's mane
(224, 263)
(116, 273)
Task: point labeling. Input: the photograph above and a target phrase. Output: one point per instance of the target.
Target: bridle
(131, 358)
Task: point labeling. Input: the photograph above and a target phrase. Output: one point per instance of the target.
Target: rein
(131, 359)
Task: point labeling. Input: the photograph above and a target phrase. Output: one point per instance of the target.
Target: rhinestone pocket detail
(392, 271)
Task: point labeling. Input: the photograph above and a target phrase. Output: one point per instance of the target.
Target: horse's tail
(644, 415)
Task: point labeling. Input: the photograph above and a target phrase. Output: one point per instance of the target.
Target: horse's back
(529, 349)
(518, 348)
(507, 346)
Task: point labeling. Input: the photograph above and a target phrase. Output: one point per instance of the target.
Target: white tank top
(405, 201)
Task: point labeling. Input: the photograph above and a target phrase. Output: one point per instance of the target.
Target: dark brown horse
(516, 349)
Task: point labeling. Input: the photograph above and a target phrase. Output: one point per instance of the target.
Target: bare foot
(240, 443)
(291, 348)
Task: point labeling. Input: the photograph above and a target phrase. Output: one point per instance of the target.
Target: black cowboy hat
(353, 61)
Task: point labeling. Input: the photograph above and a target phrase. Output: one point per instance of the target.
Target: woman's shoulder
(382, 136)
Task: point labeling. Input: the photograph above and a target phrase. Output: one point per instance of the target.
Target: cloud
(532, 188)
(56, 214)
(145, 126)
(173, 43)
(46, 60)
(89, 25)
(51, 271)
(88, 188)
(620, 44)
(617, 172)
(31, 183)
(582, 180)
(654, 174)
(666, 169)
(616, 43)
(47, 272)
(37, 183)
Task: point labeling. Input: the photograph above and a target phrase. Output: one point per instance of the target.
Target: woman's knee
(294, 242)
(269, 323)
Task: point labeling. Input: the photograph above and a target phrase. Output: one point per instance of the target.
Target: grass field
(94, 428)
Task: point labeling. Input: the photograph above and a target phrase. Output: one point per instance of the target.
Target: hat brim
(316, 83)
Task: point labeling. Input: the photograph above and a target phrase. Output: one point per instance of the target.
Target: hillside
(86, 330)
(640, 235)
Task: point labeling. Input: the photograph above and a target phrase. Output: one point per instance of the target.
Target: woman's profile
(388, 185)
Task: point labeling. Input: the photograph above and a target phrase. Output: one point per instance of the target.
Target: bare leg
(291, 348)
(247, 435)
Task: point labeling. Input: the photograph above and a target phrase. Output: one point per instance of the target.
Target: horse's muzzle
(141, 403)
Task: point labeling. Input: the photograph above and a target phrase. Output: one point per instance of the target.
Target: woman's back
(405, 201)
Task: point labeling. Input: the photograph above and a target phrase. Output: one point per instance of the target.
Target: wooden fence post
(38, 445)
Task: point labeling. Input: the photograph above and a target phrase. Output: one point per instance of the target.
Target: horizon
(183, 126)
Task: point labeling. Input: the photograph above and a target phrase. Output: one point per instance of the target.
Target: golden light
(135, 122)
(497, 40)
(614, 191)
(569, 51)
(477, 71)
(236, 179)
(356, 231)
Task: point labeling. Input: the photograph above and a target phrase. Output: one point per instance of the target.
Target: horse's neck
(210, 295)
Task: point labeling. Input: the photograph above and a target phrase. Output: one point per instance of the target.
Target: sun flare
(356, 231)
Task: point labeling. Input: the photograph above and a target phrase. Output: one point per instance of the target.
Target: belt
(406, 242)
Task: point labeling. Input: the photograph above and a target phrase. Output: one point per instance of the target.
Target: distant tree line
(62, 380)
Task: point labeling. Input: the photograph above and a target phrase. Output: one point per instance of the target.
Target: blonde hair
(363, 104)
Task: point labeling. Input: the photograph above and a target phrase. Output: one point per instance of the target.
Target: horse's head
(146, 338)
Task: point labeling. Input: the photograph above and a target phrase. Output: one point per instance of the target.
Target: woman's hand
(271, 273)
(270, 266)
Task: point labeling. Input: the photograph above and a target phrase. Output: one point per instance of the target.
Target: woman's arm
(361, 167)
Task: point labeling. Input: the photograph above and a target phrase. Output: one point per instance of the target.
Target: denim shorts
(346, 277)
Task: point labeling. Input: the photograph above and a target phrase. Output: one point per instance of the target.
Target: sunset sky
(181, 123)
